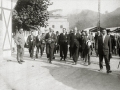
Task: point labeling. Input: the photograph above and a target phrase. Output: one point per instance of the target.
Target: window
(53, 26)
(61, 26)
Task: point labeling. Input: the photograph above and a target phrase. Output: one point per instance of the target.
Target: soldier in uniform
(63, 42)
(19, 40)
(50, 39)
(31, 41)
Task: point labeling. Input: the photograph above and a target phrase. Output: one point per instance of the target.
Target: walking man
(63, 42)
(31, 41)
(19, 40)
(75, 40)
(50, 44)
(104, 49)
(39, 44)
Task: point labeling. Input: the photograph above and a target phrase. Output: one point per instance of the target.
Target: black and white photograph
(59, 44)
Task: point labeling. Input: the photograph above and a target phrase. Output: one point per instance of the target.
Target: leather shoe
(100, 70)
(22, 61)
(109, 71)
(61, 59)
(19, 62)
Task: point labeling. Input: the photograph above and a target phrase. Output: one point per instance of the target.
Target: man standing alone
(19, 40)
(104, 49)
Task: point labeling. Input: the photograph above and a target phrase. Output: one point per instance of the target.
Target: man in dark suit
(96, 41)
(50, 44)
(56, 43)
(70, 43)
(39, 44)
(63, 42)
(83, 44)
(104, 49)
(31, 41)
(74, 40)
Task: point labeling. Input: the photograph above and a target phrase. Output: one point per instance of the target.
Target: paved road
(40, 75)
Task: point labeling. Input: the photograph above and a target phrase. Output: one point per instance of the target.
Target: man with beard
(63, 42)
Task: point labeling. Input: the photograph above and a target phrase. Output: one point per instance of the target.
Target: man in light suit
(50, 44)
(19, 40)
(104, 49)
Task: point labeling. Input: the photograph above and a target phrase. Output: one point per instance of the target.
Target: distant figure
(19, 40)
(31, 41)
(104, 49)
(56, 44)
(50, 44)
(118, 44)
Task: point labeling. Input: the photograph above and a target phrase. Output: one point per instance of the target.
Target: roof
(95, 29)
(112, 28)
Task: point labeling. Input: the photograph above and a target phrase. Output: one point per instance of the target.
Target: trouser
(49, 52)
(106, 58)
(63, 50)
(31, 51)
(87, 55)
(119, 51)
(20, 53)
(41, 49)
(75, 51)
(70, 50)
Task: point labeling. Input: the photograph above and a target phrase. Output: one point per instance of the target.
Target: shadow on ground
(84, 78)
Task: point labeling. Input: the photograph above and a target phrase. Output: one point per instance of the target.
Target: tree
(30, 13)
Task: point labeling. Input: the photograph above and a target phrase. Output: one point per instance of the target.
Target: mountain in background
(87, 18)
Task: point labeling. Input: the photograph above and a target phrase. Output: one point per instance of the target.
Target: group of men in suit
(79, 44)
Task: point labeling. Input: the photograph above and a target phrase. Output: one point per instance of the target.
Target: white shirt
(50, 34)
(104, 37)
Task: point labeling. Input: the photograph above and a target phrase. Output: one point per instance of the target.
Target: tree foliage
(31, 13)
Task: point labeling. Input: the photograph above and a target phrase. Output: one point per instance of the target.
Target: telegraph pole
(98, 15)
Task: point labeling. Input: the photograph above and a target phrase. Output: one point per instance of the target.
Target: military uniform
(19, 40)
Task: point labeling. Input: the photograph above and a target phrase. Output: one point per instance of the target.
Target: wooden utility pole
(98, 15)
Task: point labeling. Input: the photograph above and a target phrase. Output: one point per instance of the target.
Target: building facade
(57, 21)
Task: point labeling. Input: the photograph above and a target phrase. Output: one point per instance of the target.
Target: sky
(69, 6)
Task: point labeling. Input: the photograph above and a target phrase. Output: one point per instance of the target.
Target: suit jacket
(63, 38)
(50, 40)
(31, 41)
(40, 40)
(75, 40)
(83, 41)
(19, 39)
(104, 47)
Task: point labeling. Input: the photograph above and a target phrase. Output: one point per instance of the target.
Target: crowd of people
(77, 43)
